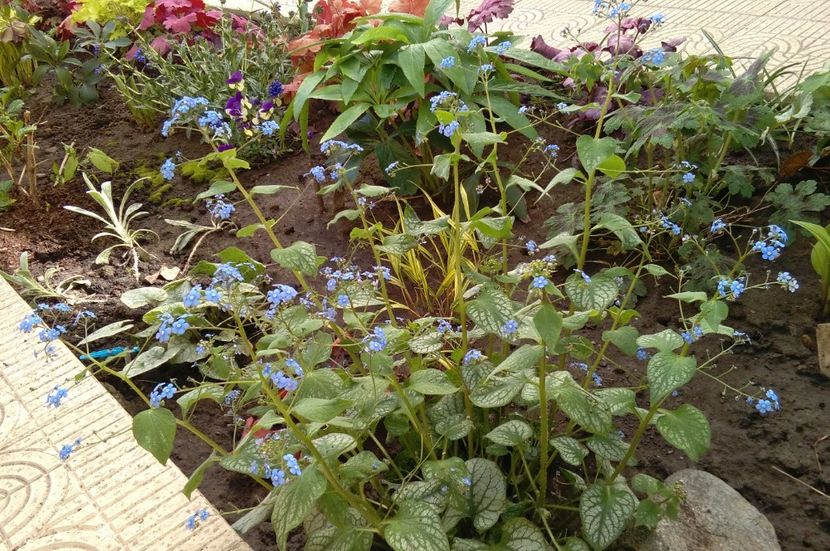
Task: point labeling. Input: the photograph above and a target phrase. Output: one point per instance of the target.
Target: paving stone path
(797, 29)
(109, 494)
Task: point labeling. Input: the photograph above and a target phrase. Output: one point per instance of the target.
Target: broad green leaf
(299, 256)
(490, 310)
(598, 294)
(563, 239)
(570, 449)
(594, 151)
(511, 433)
(102, 161)
(334, 444)
(154, 430)
(668, 371)
(622, 228)
(484, 138)
(431, 382)
(268, 189)
(687, 429)
(361, 467)
(416, 527)
(345, 120)
(304, 91)
(612, 166)
(548, 323)
(198, 475)
(656, 271)
(441, 166)
(605, 509)
(509, 112)
(435, 9)
(487, 493)
(496, 392)
(295, 500)
(147, 360)
(689, 296)
(398, 244)
(521, 359)
(379, 34)
(143, 296)
(411, 60)
(624, 338)
(427, 344)
(664, 341)
(210, 391)
(320, 410)
(591, 414)
(620, 401)
(519, 534)
(219, 187)
(609, 448)
(107, 331)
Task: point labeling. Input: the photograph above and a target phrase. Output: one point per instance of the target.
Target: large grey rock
(714, 517)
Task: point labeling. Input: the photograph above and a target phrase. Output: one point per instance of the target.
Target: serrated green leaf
(299, 256)
(598, 294)
(490, 310)
(687, 429)
(668, 371)
(295, 500)
(416, 527)
(605, 509)
(664, 341)
(511, 433)
(431, 382)
(624, 338)
(570, 449)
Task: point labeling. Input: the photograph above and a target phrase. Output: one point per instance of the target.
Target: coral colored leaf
(415, 7)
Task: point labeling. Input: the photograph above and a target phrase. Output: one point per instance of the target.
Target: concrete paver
(110, 494)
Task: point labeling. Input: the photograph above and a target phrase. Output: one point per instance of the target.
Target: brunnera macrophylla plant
(498, 425)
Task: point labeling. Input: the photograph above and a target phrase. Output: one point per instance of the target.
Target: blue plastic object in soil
(105, 353)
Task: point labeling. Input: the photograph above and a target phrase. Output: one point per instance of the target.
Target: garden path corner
(109, 493)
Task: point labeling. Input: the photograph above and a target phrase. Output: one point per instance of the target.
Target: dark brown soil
(746, 448)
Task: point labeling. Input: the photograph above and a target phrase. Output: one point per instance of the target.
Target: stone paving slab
(744, 29)
(110, 494)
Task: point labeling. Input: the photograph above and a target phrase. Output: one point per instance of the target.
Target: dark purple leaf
(487, 11)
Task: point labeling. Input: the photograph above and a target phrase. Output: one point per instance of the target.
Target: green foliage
(385, 77)
(122, 13)
(117, 220)
(820, 256)
(802, 202)
(17, 67)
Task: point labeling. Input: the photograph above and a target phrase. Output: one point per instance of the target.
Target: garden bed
(745, 447)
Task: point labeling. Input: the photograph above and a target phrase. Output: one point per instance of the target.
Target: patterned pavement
(743, 29)
(109, 494)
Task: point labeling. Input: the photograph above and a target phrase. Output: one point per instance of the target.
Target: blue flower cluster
(787, 281)
(477, 41)
(642, 354)
(168, 170)
(268, 128)
(67, 449)
(213, 120)
(771, 402)
(731, 288)
(180, 108)
(532, 247)
(448, 62)
(717, 226)
(29, 322)
(539, 282)
(196, 518)
(281, 294)
(162, 391)
(332, 147)
(510, 327)
(595, 377)
(551, 150)
(54, 398)
(219, 208)
(656, 56)
(171, 326)
(280, 379)
(376, 341)
(231, 397)
(771, 245)
(472, 355)
(666, 223)
(48, 335)
(691, 336)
